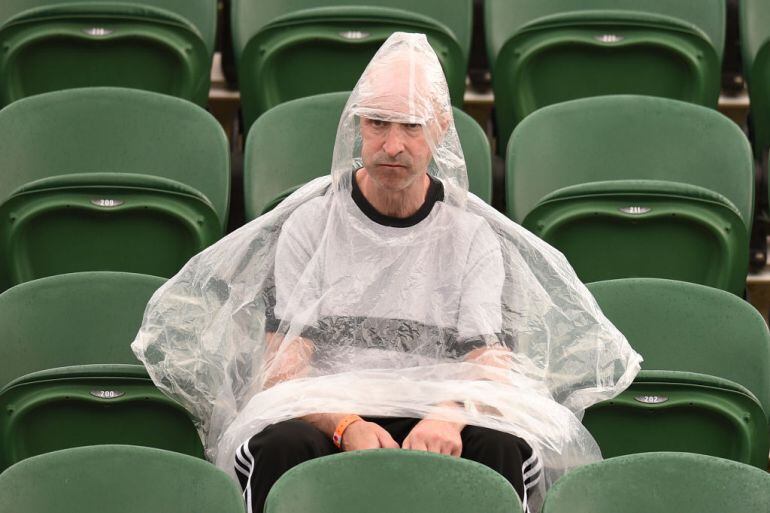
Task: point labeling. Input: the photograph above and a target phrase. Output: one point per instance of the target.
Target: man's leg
(267, 455)
(509, 455)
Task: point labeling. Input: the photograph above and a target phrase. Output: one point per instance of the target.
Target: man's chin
(393, 186)
(392, 183)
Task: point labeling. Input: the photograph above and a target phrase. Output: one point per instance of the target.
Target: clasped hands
(430, 435)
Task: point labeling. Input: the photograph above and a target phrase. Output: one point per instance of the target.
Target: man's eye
(378, 123)
(413, 126)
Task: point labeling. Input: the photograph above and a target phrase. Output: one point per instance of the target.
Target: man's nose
(393, 144)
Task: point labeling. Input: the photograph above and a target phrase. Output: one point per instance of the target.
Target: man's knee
(277, 448)
(261, 461)
(291, 437)
(485, 440)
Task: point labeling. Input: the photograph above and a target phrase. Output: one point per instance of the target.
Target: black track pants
(267, 455)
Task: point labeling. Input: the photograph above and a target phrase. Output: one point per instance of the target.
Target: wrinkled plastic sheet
(314, 307)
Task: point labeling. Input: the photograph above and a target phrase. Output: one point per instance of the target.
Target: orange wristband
(341, 427)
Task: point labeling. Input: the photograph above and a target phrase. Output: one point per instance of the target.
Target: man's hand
(366, 435)
(435, 436)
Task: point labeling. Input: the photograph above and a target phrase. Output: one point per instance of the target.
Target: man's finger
(386, 441)
(407, 443)
(446, 448)
(457, 450)
(390, 444)
(434, 445)
(418, 445)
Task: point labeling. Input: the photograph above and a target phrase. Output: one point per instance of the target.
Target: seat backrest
(627, 137)
(71, 319)
(201, 13)
(118, 479)
(293, 143)
(754, 29)
(385, 481)
(663, 482)
(114, 130)
(250, 16)
(755, 54)
(688, 327)
(504, 18)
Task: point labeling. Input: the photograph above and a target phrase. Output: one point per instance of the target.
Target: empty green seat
(287, 49)
(705, 383)
(755, 50)
(273, 167)
(164, 46)
(68, 376)
(663, 483)
(117, 479)
(108, 179)
(548, 51)
(632, 186)
(392, 481)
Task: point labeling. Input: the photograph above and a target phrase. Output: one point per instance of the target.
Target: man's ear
(440, 125)
(445, 119)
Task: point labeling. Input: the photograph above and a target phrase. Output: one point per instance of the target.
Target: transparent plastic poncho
(314, 307)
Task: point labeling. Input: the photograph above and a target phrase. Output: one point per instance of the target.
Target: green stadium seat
(705, 383)
(392, 481)
(117, 479)
(164, 46)
(633, 186)
(108, 179)
(543, 52)
(755, 50)
(278, 199)
(273, 168)
(663, 483)
(287, 49)
(68, 376)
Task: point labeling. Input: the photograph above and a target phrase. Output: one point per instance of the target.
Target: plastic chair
(392, 481)
(632, 186)
(273, 166)
(68, 376)
(755, 50)
(543, 52)
(118, 479)
(706, 383)
(108, 179)
(288, 49)
(164, 46)
(661, 482)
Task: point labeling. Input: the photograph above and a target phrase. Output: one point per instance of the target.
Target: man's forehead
(392, 108)
(390, 117)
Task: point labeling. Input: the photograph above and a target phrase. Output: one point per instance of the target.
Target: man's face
(394, 154)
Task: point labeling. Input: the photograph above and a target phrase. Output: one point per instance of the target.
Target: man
(392, 196)
(386, 307)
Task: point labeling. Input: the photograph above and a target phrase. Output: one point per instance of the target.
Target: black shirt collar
(435, 193)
